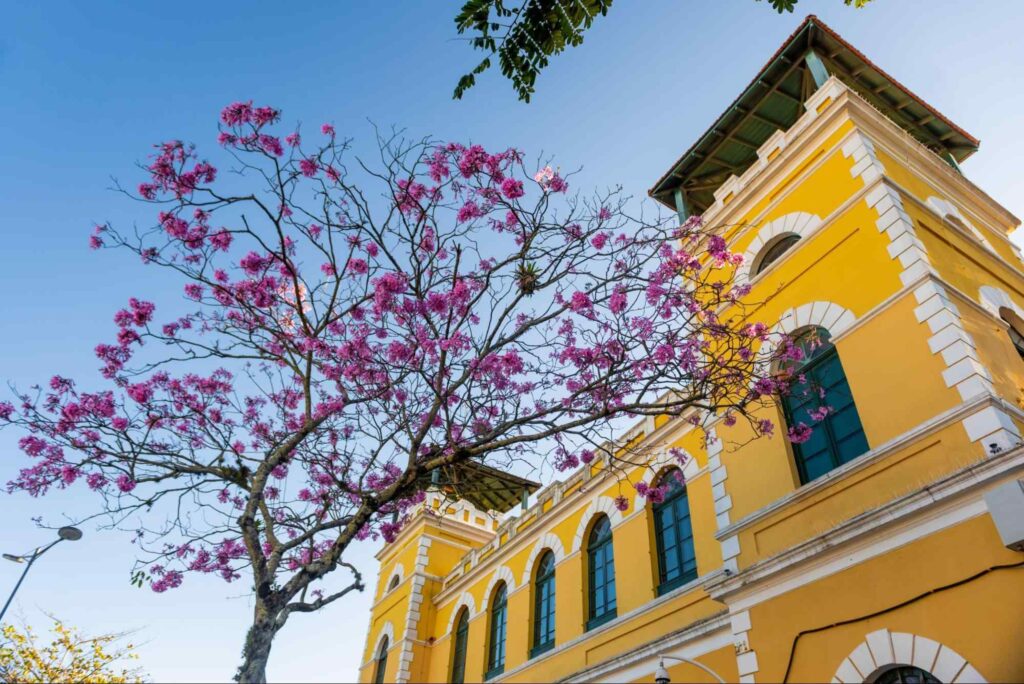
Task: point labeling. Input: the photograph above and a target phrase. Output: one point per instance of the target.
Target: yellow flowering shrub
(69, 657)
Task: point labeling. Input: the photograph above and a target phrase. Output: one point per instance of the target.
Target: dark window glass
(677, 563)
(780, 247)
(499, 628)
(837, 437)
(1018, 341)
(459, 648)
(601, 573)
(393, 584)
(382, 662)
(544, 605)
(906, 674)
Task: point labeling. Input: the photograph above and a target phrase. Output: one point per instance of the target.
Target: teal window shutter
(499, 629)
(459, 650)
(839, 437)
(544, 605)
(601, 574)
(673, 531)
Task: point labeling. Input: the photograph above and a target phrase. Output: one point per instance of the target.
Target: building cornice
(921, 431)
(827, 548)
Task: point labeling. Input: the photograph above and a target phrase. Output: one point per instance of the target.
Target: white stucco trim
(548, 541)
(964, 370)
(502, 574)
(412, 617)
(822, 314)
(665, 460)
(797, 223)
(835, 318)
(993, 299)
(398, 571)
(465, 601)
(883, 649)
(388, 630)
(932, 508)
(601, 504)
(947, 209)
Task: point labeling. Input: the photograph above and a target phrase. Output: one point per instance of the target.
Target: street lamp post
(63, 534)
(661, 674)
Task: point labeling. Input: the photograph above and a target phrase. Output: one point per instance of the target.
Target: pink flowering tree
(350, 328)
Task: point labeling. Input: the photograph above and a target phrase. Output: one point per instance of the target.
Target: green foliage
(781, 6)
(525, 34)
(524, 37)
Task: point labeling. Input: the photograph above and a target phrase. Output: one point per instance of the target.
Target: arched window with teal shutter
(380, 668)
(600, 573)
(673, 531)
(820, 399)
(498, 631)
(459, 647)
(544, 605)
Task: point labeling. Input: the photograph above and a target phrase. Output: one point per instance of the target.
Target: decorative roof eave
(769, 104)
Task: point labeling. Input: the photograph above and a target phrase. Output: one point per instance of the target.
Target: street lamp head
(14, 559)
(69, 533)
(661, 674)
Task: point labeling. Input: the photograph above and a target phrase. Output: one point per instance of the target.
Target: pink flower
(221, 240)
(125, 483)
(621, 503)
(308, 167)
(618, 301)
(327, 129)
(799, 433)
(512, 188)
(580, 303)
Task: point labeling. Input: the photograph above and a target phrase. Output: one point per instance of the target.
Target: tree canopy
(352, 330)
(523, 35)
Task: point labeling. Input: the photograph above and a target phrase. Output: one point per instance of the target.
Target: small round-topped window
(906, 674)
(774, 250)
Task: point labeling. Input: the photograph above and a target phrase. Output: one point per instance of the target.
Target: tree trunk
(256, 652)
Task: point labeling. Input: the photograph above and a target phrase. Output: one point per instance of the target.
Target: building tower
(887, 547)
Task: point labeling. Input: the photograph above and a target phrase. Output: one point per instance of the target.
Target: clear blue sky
(86, 87)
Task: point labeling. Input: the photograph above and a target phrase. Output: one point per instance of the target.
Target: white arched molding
(883, 649)
(947, 209)
(465, 601)
(387, 631)
(994, 299)
(602, 504)
(546, 542)
(664, 460)
(397, 571)
(798, 223)
(828, 315)
(502, 574)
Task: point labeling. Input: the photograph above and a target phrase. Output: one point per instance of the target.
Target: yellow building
(869, 553)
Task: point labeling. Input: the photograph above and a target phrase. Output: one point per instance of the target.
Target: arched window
(382, 662)
(1016, 329)
(499, 628)
(459, 647)
(544, 605)
(677, 563)
(393, 584)
(600, 573)
(906, 674)
(824, 403)
(774, 250)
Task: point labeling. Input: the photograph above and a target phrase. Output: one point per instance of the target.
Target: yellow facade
(890, 559)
